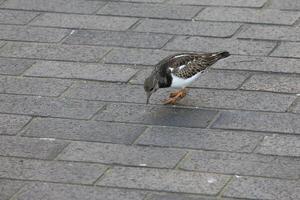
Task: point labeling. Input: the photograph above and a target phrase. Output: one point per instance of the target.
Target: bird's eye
(151, 89)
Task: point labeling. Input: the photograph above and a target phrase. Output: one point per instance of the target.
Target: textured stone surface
(166, 180)
(75, 70)
(83, 130)
(188, 27)
(200, 44)
(287, 4)
(30, 148)
(33, 34)
(271, 33)
(200, 139)
(149, 10)
(84, 21)
(43, 106)
(280, 145)
(11, 124)
(136, 56)
(8, 188)
(267, 16)
(10, 66)
(73, 6)
(288, 49)
(261, 188)
(273, 83)
(107, 92)
(52, 191)
(237, 3)
(265, 64)
(122, 154)
(259, 121)
(53, 51)
(154, 115)
(33, 86)
(16, 17)
(123, 39)
(242, 164)
(50, 171)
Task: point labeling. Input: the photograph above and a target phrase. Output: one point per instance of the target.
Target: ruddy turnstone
(179, 71)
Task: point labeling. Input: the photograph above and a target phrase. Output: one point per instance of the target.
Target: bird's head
(150, 86)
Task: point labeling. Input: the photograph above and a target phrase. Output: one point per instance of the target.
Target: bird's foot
(175, 96)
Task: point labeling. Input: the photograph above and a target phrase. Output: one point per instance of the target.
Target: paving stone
(181, 197)
(280, 145)
(107, 92)
(188, 27)
(265, 64)
(8, 188)
(200, 139)
(164, 180)
(72, 6)
(123, 39)
(266, 16)
(149, 10)
(75, 70)
(242, 164)
(16, 17)
(122, 154)
(52, 191)
(201, 44)
(30, 147)
(261, 188)
(245, 100)
(44, 106)
(273, 83)
(157, 115)
(64, 172)
(136, 56)
(263, 32)
(53, 51)
(237, 3)
(296, 108)
(287, 4)
(288, 49)
(84, 130)
(9, 66)
(11, 124)
(33, 86)
(259, 121)
(210, 79)
(84, 21)
(34, 34)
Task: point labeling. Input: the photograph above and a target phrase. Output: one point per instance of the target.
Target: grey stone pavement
(73, 120)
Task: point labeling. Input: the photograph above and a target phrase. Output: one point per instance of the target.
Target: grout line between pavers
(278, 43)
(223, 189)
(16, 194)
(245, 81)
(134, 142)
(23, 129)
(182, 160)
(214, 119)
(107, 171)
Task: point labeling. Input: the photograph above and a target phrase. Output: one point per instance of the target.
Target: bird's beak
(148, 97)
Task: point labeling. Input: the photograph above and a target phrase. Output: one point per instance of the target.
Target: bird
(179, 71)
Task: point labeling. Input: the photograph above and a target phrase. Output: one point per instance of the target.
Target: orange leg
(175, 96)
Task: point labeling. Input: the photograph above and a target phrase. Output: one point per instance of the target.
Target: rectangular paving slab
(164, 180)
(242, 164)
(149, 10)
(216, 29)
(200, 139)
(51, 191)
(53, 51)
(9, 187)
(16, 17)
(122, 154)
(10, 66)
(64, 172)
(11, 124)
(233, 3)
(75, 70)
(43, 106)
(287, 49)
(287, 4)
(94, 131)
(156, 115)
(259, 121)
(262, 188)
(121, 39)
(30, 147)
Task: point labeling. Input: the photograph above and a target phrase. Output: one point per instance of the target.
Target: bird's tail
(222, 54)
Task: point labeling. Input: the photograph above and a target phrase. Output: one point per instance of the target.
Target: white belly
(182, 83)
